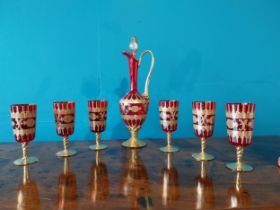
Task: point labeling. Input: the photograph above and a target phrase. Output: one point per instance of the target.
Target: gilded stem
(168, 139)
(98, 137)
(203, 146)
(65, 144)
(133, 137)
(25, 151)
(239, 152)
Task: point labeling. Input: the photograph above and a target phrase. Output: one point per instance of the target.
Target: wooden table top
(123, 179)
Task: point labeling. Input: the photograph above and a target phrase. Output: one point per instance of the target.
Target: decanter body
(134, 106)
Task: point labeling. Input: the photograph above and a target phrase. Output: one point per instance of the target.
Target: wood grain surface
(121, 179)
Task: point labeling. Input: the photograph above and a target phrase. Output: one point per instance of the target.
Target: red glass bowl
(64, 114)
(97, 115)
(240, 123)
(23, 121)
(168, 110)
(203, 118)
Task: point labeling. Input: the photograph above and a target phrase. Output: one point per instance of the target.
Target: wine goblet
(64, 114)
(203, 124)
(168, 111)
(24, 124)
(97, 117)
(240, 123)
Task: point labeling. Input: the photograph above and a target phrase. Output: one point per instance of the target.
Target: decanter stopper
(133, 45)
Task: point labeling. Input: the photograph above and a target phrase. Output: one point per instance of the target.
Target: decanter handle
(146, 91)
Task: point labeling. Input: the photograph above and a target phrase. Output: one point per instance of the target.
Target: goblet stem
(239, 165)
(66, 152)
(169, 147)
(168, 139)
(239, 152)
(98, 137)
(25, 152)
(202, 156)
(25, 160)
(65, 144)
(203, 146)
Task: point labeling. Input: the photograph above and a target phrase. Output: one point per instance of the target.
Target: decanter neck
(133, 71)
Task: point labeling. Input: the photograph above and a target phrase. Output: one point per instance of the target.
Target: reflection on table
(135, 182)
(28, 197)
(204, 190)
(237, 196)
(99, 181)
(169, 182)
(67, 188)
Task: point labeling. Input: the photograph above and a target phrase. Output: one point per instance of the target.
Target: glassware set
(239, 122)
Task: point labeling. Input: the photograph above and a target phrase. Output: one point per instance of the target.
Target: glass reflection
(204, 190)
(67, 188)
(99, 182)
(237, 196)
(135, 182)
(169, 182)
(28, 197)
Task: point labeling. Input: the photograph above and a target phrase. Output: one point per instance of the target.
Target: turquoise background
(222, 50)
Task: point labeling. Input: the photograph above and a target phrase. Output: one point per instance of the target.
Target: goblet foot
(98, 147)
(244, 168)
(169, 149)
(66, 153)
(134, 143)
(25, 161)
(202, 156)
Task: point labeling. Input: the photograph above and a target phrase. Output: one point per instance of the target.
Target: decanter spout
(127, 54)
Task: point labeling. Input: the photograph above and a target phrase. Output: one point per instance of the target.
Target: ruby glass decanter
(168, 111)
(24, 123)
(203, 124)
(97, 116)
(240, 123)
(134, 106)
(64, 114)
